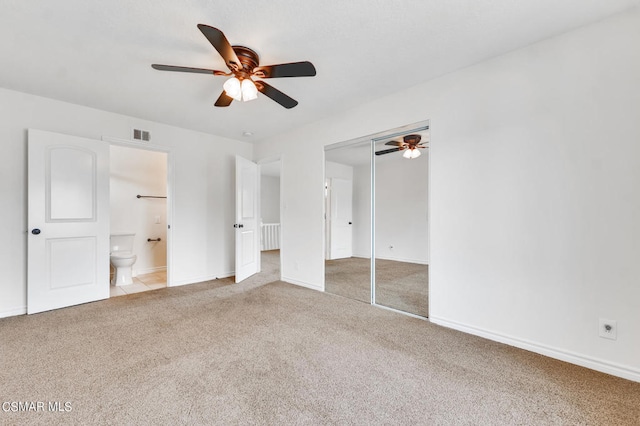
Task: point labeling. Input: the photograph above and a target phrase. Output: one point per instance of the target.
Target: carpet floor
(274, 353)
(399, 285)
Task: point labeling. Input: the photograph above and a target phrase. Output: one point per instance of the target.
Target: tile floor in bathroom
(141, 283)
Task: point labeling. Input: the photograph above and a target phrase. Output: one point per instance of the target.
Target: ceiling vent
(141, 135)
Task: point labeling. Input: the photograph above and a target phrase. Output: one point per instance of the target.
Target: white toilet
(122, 258)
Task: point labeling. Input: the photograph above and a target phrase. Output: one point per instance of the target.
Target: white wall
(140, 172)
(202, 170)
(401, 208)
(270, 199)
(337, 170)
(535, 164)
(362, 211)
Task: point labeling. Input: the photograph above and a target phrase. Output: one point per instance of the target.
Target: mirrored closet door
(401, 176)
(392, 213)
(348, 221)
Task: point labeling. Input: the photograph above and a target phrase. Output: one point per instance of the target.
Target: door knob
(350, 223)
(35, 231)
(238, 225)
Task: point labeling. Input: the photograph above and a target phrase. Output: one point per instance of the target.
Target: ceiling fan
(410, 144)
(243, 64)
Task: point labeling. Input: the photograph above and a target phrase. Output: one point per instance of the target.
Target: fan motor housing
(412, 139)
(248, 58)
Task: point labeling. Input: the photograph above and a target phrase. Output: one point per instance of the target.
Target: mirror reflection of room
(348, 221)
(401, 227)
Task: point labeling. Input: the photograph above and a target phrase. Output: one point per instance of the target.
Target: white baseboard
(302, 284)
(396, 259)
(603, 366)
(137, 272)
(361, 256)
(195, 280)
(403, 259)
(22, 310)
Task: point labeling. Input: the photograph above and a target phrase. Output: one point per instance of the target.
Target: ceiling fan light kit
(244, 90)
(249, 90)
(411, 153)
(410, 144)
(243, 64)
(232, 88)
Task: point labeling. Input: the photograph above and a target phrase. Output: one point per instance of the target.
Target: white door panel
(341, 212)
(247, 223)
(68, 245)
(72, 187)
(72, 261)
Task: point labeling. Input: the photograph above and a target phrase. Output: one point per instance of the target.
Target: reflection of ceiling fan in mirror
(410, 144)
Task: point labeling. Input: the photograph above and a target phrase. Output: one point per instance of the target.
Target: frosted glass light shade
(249, 90)
(232, 88)
(411, 153)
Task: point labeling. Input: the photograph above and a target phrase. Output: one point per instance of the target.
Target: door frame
(147, 146)
(273, 159)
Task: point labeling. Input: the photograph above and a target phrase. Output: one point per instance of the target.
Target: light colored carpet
(350, 277)
(399, 285)
(279, 354)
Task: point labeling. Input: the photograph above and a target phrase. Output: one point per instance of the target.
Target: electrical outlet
(608, 329)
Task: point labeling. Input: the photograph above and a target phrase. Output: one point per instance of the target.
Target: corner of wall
(303, 284)
(21, 310)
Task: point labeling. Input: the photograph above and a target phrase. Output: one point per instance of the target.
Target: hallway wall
(270, 199)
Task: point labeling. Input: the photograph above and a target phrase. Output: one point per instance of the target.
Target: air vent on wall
(141, 135)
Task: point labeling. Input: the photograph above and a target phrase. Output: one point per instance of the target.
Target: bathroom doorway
(138, 206)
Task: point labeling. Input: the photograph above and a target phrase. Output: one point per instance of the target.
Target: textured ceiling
(98, 53)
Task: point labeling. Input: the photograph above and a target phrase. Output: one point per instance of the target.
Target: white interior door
(68, 234)
(247, 214)
(341, 212)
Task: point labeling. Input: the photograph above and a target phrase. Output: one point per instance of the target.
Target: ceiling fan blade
(222, 45)
(293, 69)
(387, 151)
(276, 95)
(223, 100)
(187, 69)
(395, 143)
